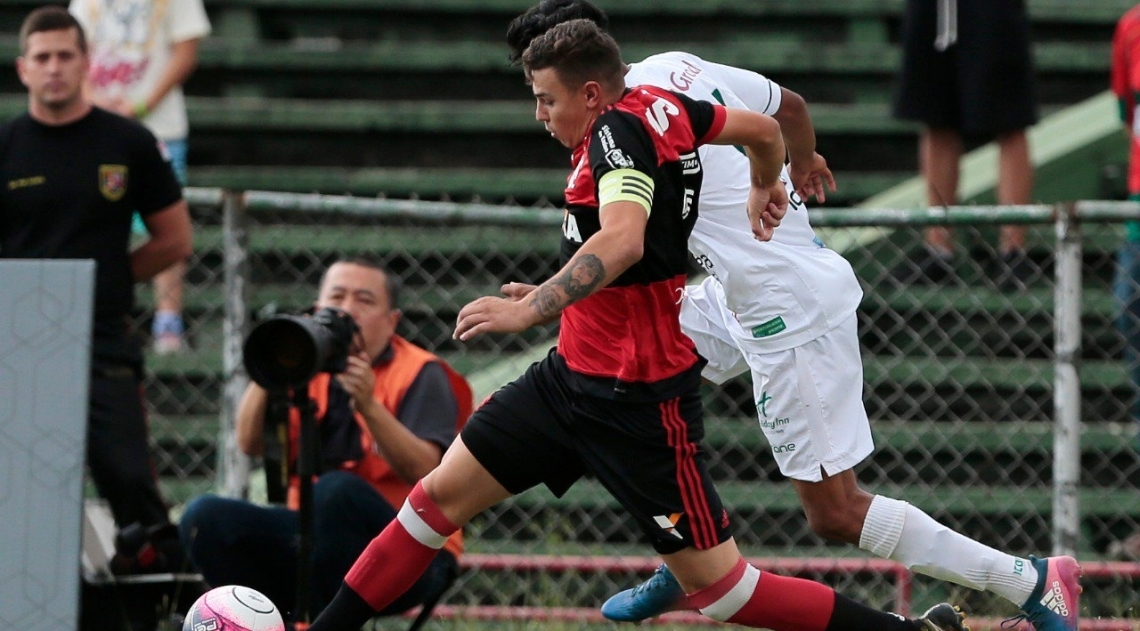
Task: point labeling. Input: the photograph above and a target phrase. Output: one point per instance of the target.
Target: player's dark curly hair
(579, 51)
(547, 13)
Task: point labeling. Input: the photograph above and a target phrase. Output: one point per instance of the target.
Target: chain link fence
(976, 414)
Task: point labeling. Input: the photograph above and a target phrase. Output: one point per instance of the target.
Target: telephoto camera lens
(289, 350)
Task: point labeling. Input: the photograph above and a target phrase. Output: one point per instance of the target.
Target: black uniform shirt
(68, 192)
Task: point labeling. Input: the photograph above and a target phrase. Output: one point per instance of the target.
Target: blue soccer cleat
(1055, 601)
(660, 594)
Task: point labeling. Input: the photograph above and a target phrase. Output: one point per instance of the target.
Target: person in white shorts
(785, 311)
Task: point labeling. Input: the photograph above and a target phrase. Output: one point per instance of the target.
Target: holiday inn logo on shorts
(762, 404)
(113, 181)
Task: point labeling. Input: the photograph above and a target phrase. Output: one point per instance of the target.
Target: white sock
(898, 531)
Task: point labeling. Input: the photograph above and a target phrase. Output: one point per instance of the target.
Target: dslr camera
(288, 350)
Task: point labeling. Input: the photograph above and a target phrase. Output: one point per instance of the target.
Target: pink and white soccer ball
(233, 608)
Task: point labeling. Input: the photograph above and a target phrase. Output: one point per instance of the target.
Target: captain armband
(626, 185)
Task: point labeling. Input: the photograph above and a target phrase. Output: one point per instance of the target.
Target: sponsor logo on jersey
(690, 163)
(606, 137)
(776, 424)
(668, 523)
(570, 228)
(782, 449)
(684, 81)
(771, 327)
(618, 160)
(762, 404)
(113, 181)
(24, 182)
(705, 262)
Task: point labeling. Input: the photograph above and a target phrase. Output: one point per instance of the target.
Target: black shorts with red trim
(537, 430)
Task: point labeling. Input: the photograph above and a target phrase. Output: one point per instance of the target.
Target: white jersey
(784, 292)
(130, 43)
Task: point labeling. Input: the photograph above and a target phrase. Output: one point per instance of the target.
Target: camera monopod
(307, 452)
(282, 355)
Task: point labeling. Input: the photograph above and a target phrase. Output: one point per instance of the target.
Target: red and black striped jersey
(625, 340)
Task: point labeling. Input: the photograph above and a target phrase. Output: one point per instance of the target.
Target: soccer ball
(233, 608)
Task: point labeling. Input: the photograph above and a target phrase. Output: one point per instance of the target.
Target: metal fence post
(233, 465)
(1066, 383)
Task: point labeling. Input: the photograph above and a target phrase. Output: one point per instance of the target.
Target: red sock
(396, 558)
(752, 598)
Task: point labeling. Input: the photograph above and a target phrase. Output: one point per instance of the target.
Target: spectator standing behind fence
(142, 51)
(783, 309)
(968, 74)
(73, 175)
(384, 423)
(619, 398)
(1125, 83)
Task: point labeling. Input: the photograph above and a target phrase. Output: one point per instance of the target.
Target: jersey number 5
(658, 115)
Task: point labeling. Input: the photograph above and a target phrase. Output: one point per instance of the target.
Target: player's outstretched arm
(809, 170)
(603, 257)
(763, 142)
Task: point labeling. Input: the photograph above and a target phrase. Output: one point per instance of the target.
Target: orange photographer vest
(392, 382)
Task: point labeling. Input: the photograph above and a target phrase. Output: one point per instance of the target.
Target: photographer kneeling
(384, 422)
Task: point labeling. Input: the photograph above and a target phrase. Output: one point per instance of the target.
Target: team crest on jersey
(113, 181)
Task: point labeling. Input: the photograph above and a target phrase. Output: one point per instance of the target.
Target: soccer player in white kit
(784, 310)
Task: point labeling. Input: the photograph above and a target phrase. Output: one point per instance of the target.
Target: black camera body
(288, 350)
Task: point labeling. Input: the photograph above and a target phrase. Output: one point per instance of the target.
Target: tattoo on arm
(584, 275)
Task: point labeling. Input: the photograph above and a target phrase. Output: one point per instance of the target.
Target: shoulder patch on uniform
(618, 160)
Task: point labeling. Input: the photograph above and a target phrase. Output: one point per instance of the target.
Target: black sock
(849, 615)
(347, 612)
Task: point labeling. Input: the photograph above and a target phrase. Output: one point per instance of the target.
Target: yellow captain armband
(626, 185)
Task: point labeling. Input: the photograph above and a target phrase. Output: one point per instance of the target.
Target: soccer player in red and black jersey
(619, 397)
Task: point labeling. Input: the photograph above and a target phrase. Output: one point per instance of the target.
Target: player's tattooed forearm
(580, 279)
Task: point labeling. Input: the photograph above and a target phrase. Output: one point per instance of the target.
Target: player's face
(363, 293)
(565, 112)
(53, 68)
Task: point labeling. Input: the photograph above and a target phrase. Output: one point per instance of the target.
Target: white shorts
(809, 399)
